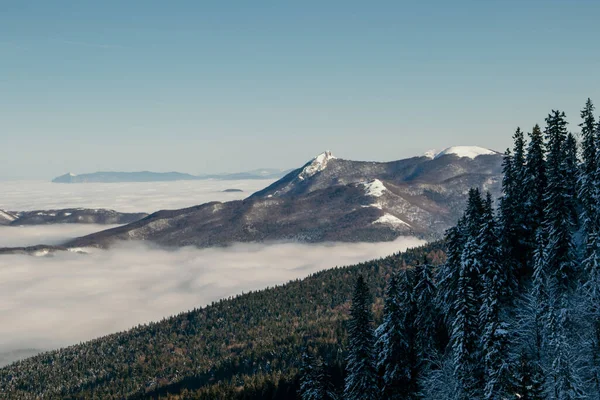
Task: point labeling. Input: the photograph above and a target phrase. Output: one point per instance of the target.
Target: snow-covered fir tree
(496, 330)
(315, 382)
(512, 205)
(587, 183)
(399, 357)
(465, 330)
(535, 183)
(560, 259)
(392, 345)
(427, 318)
(361, 379)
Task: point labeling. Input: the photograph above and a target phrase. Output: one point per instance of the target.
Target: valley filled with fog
(58, 300)
(123, 197)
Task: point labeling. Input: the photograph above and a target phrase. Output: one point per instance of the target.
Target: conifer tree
(398, 358)
(560, 265)
(449, 272)
(315, 382)
(571, 168)
(496, 331)
(465, 325)
(535, 183)
(361, 380)
(591, 281)
(392, 345)
(516, 247)
(560, 253)
(308, 377)
(587, 184)
(427, 316)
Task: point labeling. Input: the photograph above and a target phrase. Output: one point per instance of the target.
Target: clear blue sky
(223, 86)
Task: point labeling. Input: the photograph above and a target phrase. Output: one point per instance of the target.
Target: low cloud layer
(49, 302)
(30, 235)
(124, 197)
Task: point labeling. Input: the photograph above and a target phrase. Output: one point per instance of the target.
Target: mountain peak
(466, 151)
(317, 164)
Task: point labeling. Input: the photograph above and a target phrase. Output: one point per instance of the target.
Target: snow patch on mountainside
(374, 188)
(389, 219)
(7, 216)
(466, 151)
(318, 164)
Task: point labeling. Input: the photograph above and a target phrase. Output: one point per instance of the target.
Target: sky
(215, 86)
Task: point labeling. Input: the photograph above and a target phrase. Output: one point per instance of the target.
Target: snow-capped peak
(374, 188)
(430, 153)
(71, 174)
(318, 164)
(465, 151)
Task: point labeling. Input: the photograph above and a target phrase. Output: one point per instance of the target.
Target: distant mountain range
(147, 176)
(329, 199)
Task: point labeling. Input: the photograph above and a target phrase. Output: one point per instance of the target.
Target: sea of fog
(125, 197)
(55, 301)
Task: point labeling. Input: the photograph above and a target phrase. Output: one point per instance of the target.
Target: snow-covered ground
(123, 197)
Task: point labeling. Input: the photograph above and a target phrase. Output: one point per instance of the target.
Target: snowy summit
(466, 151)
(318, 164)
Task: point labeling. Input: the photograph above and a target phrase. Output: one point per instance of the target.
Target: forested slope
(258, 333)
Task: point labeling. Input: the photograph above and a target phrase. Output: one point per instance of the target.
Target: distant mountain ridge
(329, 199)
(68, 216)
(148, 176)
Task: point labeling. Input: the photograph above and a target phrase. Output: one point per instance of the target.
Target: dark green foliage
(560, 262)
(587, 187)
(513, 224)
(399, 354)
(535, 183)
(496, 330)
(361, 378)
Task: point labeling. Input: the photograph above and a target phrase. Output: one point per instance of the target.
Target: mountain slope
(251, 334)
(72, 216)
(328, 199)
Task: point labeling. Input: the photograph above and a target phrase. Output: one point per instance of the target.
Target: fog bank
(49, 302)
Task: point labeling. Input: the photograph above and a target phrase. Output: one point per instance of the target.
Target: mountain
(259, 334)
(147, 176)
(6, 218)
(68, 216)
(329, 199)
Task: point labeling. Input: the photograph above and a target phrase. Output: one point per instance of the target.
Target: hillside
(252, 334)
